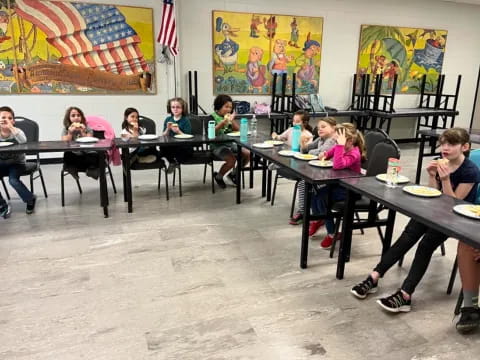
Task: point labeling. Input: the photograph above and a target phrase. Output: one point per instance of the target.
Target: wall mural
(409, 52)
(51, 47)
(248, 48)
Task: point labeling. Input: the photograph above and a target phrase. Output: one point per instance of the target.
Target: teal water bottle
(296, 133)
(211, 129)
(243, 129)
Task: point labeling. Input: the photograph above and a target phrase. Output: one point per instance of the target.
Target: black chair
(64, 172)
(377, 165)
(372, 138)
(31, 130)
(150, 128)
(201, 156)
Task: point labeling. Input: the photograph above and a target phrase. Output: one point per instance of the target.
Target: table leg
(389, 231)
(346, 240)
(124, 173)
(252, 164)
(264, 177)
(269, 184)
(128, 175)
(420, 159)
(239, 173)
(306, 222)
(103, 183)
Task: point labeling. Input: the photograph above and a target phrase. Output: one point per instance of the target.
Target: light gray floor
(199, 277)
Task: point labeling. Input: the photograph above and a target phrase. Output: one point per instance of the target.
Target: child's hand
(432, 168)
(274, 135)
(169, 125)
(176, 129)
(341, 138)
(322, 156)
(443, 171)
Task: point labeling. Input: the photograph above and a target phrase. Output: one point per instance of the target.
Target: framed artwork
(249, 48)
(59, 47)
(410, 53)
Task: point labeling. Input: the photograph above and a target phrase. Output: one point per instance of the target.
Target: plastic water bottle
(243, 129)
(211, 129)
(253, 125)
(296, 134)
(392, 172)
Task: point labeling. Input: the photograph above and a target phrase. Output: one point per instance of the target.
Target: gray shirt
(13, 158)
(319, 145)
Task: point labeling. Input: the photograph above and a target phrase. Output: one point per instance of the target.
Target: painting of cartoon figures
(410, 53)
(249, 48)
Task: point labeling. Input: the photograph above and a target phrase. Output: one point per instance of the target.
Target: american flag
(87, 35)
(168, 31)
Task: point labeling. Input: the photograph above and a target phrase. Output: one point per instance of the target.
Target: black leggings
(80, 161)
(413, 232)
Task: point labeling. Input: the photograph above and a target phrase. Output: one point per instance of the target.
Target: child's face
(452, 152)
(176, 108)
(75, 116)
(325, 130)
(297, 120)
(132, 118)
(6, 119)
(225, 109)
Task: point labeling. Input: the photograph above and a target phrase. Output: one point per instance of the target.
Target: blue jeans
(13, 172)
(319, 202)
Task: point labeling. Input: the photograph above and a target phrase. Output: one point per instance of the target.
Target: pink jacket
(345, 160)
(98, 123)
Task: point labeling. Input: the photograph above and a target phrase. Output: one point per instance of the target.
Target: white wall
(342, 20)
(49, 110)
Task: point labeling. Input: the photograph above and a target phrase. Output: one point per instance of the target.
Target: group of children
(342, 143)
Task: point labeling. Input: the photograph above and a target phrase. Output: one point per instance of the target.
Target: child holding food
(455, 175)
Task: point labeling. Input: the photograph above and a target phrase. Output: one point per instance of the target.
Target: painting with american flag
(51, 46)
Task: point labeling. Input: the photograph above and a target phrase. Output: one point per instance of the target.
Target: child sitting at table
(324, 142)
(177, 123)
(13, 164)
(455, 175)
(224, 124)
(347, 154)
(301, 118)
(74, 127)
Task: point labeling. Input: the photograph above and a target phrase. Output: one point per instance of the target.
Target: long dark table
(162, 141)
(434, 212)
(310, 174)
(61, 146)
(432, 136)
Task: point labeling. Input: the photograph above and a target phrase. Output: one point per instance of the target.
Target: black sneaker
(361, 290)
(31, 205)
(469, 320)
(395, 303)
(219, 180)
(5, 211)
(231, 176)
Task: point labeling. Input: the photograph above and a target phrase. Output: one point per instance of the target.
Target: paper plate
(422, 191)
(6, 143)
(263, 145)
(468, 210)
(183, 136)
(274, 142)
(86, 139)
(321, 163)
(147, 137)
(287, 153)
(305, 156)
(400, 178)
(236, 133)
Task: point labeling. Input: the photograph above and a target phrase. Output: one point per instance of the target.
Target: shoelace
(396, 300)
(366, 285)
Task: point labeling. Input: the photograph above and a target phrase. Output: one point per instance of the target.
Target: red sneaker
(314, 226)
(327, 242)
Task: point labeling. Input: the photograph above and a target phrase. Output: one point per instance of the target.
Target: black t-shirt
(467, 173)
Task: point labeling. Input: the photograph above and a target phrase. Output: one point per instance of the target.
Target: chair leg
(5, 188)
(459, 303)
(79, 187)
(357, 217)
(295, 190)
(174, 175)
(62, 187)
(180, 179)
(111, 179)
(159, 178)
(243, 178)
(43, 183)
(334, 243)
(400, 262)
(205, 173)
(274, 189)
(31, 183)
(213, 175)
(166, 184)
(453, 275)
(442, 249)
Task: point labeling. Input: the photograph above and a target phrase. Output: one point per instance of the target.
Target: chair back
(372, 138)
(30, 128)
(197, 125)
(148, 124)
(475, 157)
(378, 162)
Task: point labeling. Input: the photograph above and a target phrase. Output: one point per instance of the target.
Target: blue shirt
(467, 173)
(183, 123)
